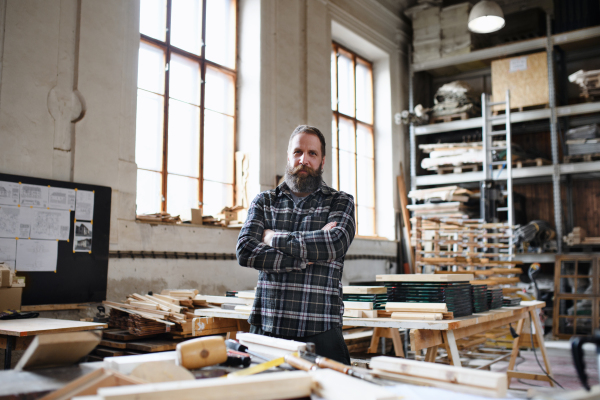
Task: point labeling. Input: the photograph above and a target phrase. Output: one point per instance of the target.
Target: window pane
(366, 186)
(151, 68)
(346, 85)
(364, 140)
(182, 196)
(218, 147)
(364, 93)
(186, 25)
(347, 173)
(216, 197)
(219, 92)
(184, 139)
(220, 32)
(366, 221)
(347, 136)
(149, 192)
(334, 160)
(333, 82)
(149, 131)
(184, 78)
(153, 18)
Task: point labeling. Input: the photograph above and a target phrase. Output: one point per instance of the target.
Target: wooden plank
(221, 299)
(283, 344)
(117, 334)
(424, 338)
(59, 349)
(418, 316)
(417, 307)
(358, 305)
(39, 326)
(276, 385)
(247, 309)
(246, 294)
(333, 385)
(528, 376)
(152, 345)
(113, 344)
(55, 307)
(144, 305)
(446, 373)
(425, 278)
(168, 299)
(108, 352)
(431, 354)
(451, 346)
(364, 290)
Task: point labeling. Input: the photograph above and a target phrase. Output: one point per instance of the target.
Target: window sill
(374, 238)
(139, 221)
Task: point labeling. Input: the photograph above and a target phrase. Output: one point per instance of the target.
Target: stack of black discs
(480, 302)
(511, 301)
(378, 300)
(456, 295)
(231, 293)
(494, 298)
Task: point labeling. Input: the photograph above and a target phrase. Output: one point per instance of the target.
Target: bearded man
(297, 236)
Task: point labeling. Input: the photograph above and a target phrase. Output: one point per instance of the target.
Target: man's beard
(303, 184)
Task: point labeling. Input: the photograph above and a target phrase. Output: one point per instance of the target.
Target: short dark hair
(309, 129)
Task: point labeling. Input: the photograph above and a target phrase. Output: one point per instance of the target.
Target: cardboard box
(197, 216)
(10, 298)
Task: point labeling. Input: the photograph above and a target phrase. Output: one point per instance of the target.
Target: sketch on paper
(9, 193)
(9, 222)
(50, 224)
(37, 255)
(33, 195)
(8, 252)
(25, 219)
(82, 244)
(84, 209)
(61, 199)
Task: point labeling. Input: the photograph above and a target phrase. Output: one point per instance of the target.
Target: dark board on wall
(79, 277)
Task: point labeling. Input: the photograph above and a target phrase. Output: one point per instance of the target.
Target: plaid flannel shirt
(293, 297)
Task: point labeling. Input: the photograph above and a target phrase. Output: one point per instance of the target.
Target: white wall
(67, 111)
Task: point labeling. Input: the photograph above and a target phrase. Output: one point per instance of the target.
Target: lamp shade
(486, 17)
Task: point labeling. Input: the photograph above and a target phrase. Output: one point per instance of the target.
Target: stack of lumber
(160, 217)
(578, 237)
(464, 380)
(588, 81)
(118, 342)
(359, 309)
(446, 193)
(419, 311)
(452, 154)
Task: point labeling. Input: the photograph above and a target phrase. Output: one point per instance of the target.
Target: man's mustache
(309, 170)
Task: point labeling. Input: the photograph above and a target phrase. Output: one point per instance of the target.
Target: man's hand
(268, 236)
(329, 226)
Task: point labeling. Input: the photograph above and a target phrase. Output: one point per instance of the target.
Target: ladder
(489, 136)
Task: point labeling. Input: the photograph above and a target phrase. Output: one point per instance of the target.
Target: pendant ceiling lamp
(486, 17)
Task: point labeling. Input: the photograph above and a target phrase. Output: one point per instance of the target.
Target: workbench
(429, 335)
(17, 334)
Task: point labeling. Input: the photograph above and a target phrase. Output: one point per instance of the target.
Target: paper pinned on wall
(518, 64)
(8, 252)
(33, 196)
(9, 221)
(84, 209)
(82, 242)
(25, 220)
(9, 193)
(61, 199)
(37, 255)
(50, 224)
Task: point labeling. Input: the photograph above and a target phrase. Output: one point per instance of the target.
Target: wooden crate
(525, 76)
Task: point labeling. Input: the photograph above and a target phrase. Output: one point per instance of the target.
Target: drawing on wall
(84, 208)
(50, 224)
(25, 219)
(82, 245)
(9, 222)
(37, 255)
(61, 199)
(8, 252)
(33, 195)
(9, 193)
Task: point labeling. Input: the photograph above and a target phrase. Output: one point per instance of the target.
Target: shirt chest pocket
(313, 221)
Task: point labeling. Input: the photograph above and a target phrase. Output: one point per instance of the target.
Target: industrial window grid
(360, 191)
(169, 49)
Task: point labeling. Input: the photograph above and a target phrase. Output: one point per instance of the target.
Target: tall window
(186, 106)
(353, 157)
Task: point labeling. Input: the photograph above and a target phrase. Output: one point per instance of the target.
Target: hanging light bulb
(486, 17)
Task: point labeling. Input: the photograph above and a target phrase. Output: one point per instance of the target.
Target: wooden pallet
(521, 109)
(582, 158)
(457, 169)
(450, 117)
(534, 162)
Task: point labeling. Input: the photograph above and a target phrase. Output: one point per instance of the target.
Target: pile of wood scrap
(464, 380)
(452, 209)
(160, 217)
(455, 154)
(588, 81)
(446, 193)
(579, 237)
(229, 216)
(8, 278)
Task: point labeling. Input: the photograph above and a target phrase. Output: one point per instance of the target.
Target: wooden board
(425, 278)
(417, 307)
(283, 344)
(113, 344)
(333, 385)
(357, 305)
(38, 326)
(349, 313)
(221, 299)
(276, 385)
(108, 352)
(118, 334)
(528, 82)
(418, 316)
(161, 372)
(462, 376)
(152, 345)
(55, 307)
(58, 349)
(364, 290)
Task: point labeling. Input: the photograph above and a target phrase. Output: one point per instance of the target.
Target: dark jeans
(328, 344)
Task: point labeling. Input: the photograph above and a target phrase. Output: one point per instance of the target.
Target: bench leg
(539, 333)
(431, 354)
(515, 349)
(452, 348)
(398, 347)
(375, 340)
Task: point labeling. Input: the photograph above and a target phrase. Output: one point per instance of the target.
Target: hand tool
(235, 345)
(236, 358)
(300, 363)
(201, 352)
(324, 362)
(258, 368)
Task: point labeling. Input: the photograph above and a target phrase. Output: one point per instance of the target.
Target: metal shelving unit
(477, 59)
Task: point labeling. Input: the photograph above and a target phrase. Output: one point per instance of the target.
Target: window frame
(355, 122)
(203, 63)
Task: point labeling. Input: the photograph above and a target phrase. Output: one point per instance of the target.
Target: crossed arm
(293, 251)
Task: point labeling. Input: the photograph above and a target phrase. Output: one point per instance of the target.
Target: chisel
(324, 362)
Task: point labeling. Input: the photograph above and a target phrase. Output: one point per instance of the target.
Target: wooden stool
(389, 333)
